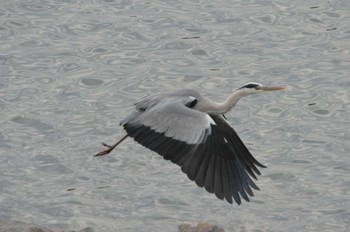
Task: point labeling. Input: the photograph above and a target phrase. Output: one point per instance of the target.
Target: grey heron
(192, 132)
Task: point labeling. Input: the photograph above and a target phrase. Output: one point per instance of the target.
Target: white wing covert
(176, 120)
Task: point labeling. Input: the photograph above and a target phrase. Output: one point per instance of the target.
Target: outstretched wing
(208, 152)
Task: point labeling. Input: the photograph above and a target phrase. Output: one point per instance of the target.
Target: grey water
(70, 70)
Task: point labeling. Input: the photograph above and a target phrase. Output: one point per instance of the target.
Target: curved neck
(221, 108)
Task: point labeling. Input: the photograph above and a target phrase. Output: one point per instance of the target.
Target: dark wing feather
(238, 146)
(221, 164)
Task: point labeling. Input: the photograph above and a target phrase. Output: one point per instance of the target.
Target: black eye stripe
(250, 86)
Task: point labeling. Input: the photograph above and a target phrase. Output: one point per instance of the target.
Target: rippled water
(70, 70)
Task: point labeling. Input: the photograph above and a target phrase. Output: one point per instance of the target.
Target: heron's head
(252, 87)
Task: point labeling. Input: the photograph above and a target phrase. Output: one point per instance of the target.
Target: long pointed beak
(265, 88)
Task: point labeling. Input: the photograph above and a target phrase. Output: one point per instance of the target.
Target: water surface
(70, 70)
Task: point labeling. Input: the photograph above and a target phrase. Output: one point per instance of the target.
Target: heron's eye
(192, 103)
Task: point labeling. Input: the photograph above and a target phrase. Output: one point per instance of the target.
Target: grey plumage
(168, 114)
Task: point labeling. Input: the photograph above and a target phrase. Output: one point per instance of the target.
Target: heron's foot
(110, 147)
(106, 151)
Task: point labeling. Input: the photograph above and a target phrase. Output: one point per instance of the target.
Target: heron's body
(191, 131)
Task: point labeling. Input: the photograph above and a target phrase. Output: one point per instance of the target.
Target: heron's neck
(221, 108)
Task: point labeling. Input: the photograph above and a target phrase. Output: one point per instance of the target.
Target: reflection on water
(70, 70)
